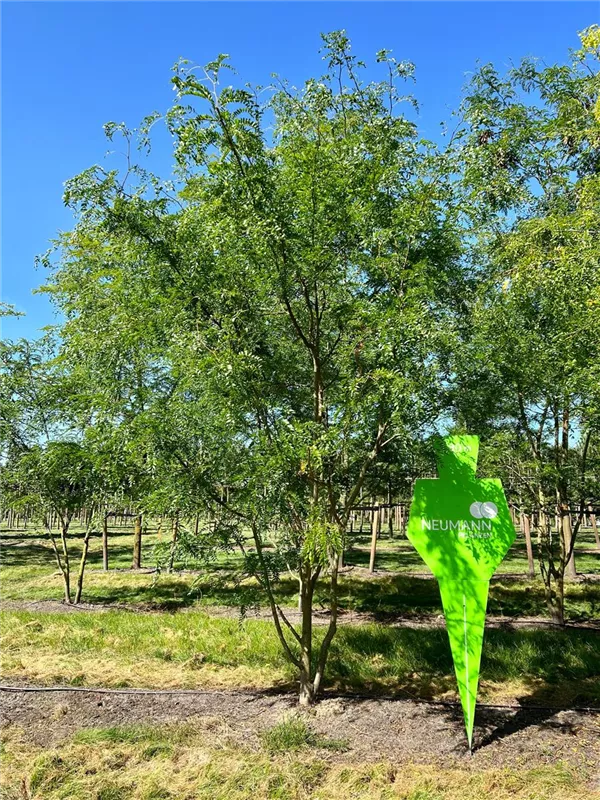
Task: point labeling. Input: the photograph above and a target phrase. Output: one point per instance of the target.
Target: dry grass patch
(56, 670)
(200, 761)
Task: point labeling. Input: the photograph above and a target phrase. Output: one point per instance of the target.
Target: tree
(57, 479)
(290, 289)
(532, 339)
(48, 467)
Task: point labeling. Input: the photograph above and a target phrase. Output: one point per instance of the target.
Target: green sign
(461, 528)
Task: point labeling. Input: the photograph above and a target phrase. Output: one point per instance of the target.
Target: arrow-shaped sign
(461, 528)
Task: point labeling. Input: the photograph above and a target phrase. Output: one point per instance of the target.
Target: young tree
(291, 288)
(57, 479)
(47, 467)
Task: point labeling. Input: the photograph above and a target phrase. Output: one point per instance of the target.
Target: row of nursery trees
(311, 295)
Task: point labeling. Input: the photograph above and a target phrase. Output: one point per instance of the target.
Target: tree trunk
(62, 563)
(105, 542)
(594, 526)
(137, 543)
(374, 532)
(558, 607)
(174, 541)
(526, 526)
(306, 696)
(325, 644)
(82, 563)
(565, 509)
(66, 570)
(567, 541)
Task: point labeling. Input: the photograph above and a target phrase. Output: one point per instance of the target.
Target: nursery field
(226, 721)
(285, 326)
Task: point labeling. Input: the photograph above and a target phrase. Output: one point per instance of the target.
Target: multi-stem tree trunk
(306, 696)
(83, 560)
(66, 567)
(62, 558)
(300, 650)
(311, 670)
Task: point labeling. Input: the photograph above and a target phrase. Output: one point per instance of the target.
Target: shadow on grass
(384, 598)
(559, 668)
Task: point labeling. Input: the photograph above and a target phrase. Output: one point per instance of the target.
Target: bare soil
(373, 729)
(319, 617)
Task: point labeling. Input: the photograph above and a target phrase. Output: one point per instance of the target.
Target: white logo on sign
(483, 510)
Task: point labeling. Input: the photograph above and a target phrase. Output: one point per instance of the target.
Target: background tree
(531, 338)
(57, 479)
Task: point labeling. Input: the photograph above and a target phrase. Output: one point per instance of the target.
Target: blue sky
(69, 67)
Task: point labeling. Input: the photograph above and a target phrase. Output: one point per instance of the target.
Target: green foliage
(258, 327)
(528, 353)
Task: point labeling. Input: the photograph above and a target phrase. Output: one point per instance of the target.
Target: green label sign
(461, 528)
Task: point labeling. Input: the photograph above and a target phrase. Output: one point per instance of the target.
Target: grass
(191, 650)
(29, 573)
(384, 595)
(199, 761)
(119, 648)
(293, 734)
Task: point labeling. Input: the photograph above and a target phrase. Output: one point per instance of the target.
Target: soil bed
(398, 731)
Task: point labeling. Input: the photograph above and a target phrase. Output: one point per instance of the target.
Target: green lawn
(192, 649)
(28, 572)
(123, 648)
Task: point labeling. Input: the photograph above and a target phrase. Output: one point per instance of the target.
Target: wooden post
(374, 531)
(105, 542)
(137, 543)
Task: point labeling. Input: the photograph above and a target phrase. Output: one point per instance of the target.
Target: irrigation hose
(328, 695)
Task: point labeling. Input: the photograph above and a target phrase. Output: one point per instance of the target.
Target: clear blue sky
(69, 67)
